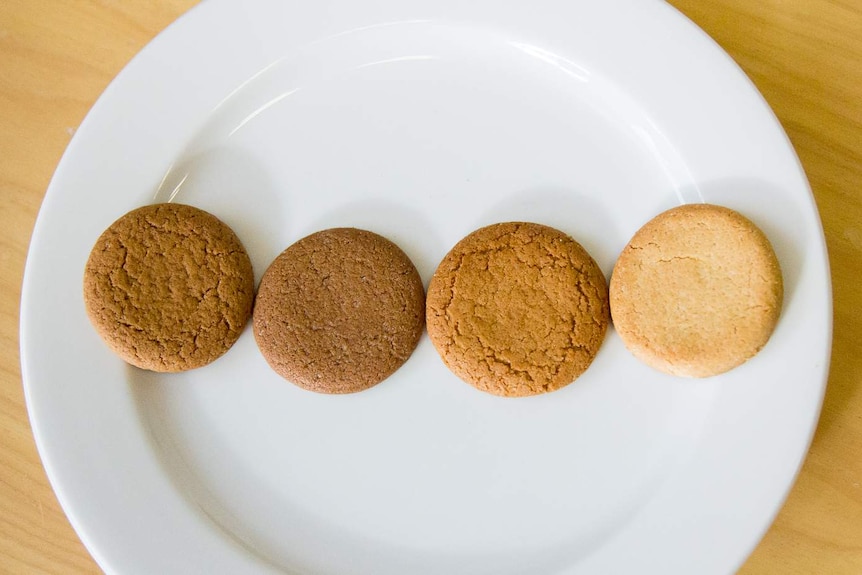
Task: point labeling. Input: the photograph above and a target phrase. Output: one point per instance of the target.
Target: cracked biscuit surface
(339, 311)
(168, 287)
(517, 309)
(697, 291)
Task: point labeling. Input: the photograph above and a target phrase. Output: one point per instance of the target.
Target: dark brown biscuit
(339, 311)
(169, 287)
(517, 309)
(697, 291)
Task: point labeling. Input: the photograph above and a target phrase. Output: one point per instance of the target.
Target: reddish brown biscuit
(517, 309)
(169, 287)
(339, 311)
(697, 291)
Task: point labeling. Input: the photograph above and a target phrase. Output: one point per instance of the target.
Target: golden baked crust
(517, 309)
(339, 311)
(697, 291)
(168, 287)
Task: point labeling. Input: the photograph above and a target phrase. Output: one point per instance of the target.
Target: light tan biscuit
(168, 287)
(517, 309)
(697, 291)
(339, 311)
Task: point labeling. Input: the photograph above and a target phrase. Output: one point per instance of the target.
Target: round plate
(423, 121)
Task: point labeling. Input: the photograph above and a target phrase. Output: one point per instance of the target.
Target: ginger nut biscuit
(168, 287)
(339, 311)
(517, 309)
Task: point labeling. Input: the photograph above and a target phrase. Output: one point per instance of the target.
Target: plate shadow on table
(845, 371)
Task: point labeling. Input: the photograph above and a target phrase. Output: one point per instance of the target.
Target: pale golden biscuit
(697, 291)
(169, 287)
(517, 309)
(339, 311)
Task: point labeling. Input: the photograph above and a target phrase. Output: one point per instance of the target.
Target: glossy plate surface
(423, 121)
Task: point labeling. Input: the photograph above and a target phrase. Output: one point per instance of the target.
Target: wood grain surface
(57, 56)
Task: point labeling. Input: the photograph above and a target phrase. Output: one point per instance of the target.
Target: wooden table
(56, 57)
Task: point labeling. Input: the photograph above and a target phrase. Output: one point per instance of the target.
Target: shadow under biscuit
(583, 216)
(403, 225)
(236, 187)
(777, 213)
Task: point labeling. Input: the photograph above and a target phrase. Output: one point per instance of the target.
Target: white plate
(423, 121)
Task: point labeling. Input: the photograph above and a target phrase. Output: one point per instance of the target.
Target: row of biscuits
(514, 309)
